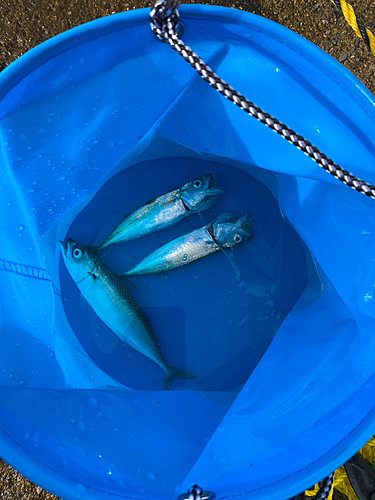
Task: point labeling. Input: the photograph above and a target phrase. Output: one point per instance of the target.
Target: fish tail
(172, 373)
(128, 273)
(94, 250)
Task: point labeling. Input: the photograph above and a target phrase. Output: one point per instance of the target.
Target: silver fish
(195, 196)
(114, 305)
(226, 231)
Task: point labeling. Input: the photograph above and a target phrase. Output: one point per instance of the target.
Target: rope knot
(164, 18)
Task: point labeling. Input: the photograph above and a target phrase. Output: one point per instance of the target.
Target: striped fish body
(194, 196)
(118, 310)
(226, 231)
(114, 305)
(178, 252)
(158, 213)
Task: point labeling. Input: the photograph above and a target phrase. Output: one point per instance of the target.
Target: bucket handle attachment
(196, 493)
(164, 22)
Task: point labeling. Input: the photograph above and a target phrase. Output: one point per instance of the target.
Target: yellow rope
(368, 451)
(351, 19)
(340, 479)
(340, 483)
(312, 491)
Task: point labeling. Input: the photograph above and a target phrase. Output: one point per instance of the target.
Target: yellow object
(312, 491)
(368, 451)
(342, 483)
(340, 479)
(351, 19)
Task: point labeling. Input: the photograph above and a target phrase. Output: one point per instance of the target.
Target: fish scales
(179, 252)
(117, 308)
(159, 212)
(114, 305)
(165, 210)
(226, 231)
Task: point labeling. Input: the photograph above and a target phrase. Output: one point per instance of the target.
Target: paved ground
(25, 23)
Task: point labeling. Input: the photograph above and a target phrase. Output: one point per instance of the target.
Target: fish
(111, 301)
(195, 196)
(226, 231)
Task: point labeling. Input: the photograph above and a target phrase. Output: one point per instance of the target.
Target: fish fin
(127, 284)
(173, 373)
(93, 249)
(104, 337)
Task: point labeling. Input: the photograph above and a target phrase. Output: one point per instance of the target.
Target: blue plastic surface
(99, 120)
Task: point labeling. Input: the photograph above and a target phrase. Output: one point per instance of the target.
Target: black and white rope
(325, 488)
(164, 21)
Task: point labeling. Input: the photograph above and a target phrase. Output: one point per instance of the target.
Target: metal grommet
(196, 493)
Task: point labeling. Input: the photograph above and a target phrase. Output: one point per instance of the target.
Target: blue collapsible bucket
(279, 331)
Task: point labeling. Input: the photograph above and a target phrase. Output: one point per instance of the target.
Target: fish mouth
(245, 226)
(64, 248)
(212, 189)
(197, 198)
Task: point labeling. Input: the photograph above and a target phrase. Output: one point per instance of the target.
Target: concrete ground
(26, 23)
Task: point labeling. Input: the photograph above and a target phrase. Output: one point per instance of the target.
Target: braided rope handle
(164, 20)
(325, 488)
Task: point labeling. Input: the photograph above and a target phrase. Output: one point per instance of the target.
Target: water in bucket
(215, 317)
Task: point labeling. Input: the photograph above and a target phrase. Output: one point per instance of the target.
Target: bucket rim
(41, 53)
(31, 60)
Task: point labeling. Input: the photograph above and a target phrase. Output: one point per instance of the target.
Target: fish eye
(197, 183)
(237, 238)
(77, 253)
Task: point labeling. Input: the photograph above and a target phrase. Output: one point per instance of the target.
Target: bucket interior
(277, 331)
